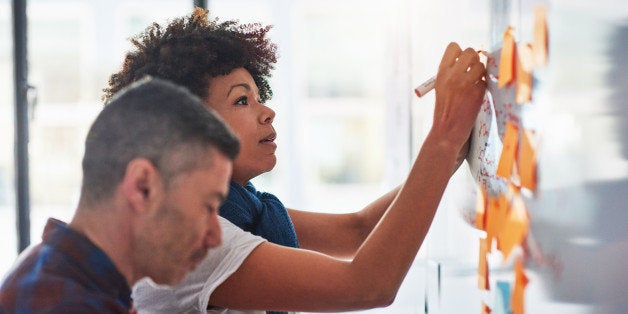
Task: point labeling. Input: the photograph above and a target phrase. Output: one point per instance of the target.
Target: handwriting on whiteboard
(498, 107)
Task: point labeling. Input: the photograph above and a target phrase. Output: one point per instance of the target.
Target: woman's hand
(460, 88)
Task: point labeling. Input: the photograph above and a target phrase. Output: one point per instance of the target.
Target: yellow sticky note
(509, 151)
(527, 160)
(540, 38)
(507, 59)
(521, 280)
(483, 283)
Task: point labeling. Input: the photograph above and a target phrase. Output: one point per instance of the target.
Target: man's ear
(142, 184)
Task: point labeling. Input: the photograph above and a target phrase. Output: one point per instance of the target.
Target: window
(73, 47)
(329, 95)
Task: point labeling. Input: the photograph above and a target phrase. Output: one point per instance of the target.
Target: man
(155, 171)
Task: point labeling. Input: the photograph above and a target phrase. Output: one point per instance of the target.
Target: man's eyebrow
(222, 197)
(245, 85)
(219, 195)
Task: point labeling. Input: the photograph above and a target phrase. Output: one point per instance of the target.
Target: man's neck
(107, 227)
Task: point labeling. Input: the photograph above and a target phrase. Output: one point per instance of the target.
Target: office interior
(349, 127)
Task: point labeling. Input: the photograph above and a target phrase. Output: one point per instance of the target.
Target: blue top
(66, 273)
(259, 213)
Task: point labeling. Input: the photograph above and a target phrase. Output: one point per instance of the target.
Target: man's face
(185, 223)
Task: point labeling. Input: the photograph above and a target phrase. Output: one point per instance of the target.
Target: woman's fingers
(450, 56)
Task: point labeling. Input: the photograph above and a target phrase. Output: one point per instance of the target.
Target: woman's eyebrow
(245, 85)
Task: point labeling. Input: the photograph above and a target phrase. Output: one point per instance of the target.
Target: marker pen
(426, 87)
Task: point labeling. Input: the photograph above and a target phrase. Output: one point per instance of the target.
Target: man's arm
(280, 278)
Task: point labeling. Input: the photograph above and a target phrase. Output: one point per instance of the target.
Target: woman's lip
(271, 143)
(269, 139)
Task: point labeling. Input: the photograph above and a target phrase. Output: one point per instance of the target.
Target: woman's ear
(142, 184)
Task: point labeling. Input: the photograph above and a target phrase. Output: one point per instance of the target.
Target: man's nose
(213, 238)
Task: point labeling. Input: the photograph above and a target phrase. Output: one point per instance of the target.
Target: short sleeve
(192, 295)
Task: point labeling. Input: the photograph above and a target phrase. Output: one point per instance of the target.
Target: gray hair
(156, 120)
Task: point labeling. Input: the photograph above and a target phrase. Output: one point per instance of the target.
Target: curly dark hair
(191, 50)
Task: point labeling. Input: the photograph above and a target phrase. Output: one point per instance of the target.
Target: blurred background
(349, 124)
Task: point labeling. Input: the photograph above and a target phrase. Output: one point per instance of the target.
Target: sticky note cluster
(503, 216)
(518, 60)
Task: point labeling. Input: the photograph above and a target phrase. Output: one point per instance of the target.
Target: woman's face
(235, 98)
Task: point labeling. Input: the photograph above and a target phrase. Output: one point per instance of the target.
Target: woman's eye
(242, 101)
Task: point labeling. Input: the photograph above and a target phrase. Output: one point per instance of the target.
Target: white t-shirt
(192, 295)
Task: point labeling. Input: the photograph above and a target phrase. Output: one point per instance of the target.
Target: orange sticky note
(485, 308)
(480, 209)
(500, 215)
(539, 39)
(507, 59)
(509, 151)
(483, 265)
(492, 209)
(521, 280)
(503, 210)
(515, 228)
(523, 93)
(526, 161)
(495, 216)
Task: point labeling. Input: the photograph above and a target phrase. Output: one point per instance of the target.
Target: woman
(228, 66)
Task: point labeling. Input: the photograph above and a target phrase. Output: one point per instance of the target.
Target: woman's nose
(267, 116)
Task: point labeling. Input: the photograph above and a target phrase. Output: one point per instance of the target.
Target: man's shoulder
(52, 293)
(39, 264)
(44, 280)
(29, 288)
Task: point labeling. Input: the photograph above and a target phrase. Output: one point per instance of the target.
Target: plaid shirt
(66, 273)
